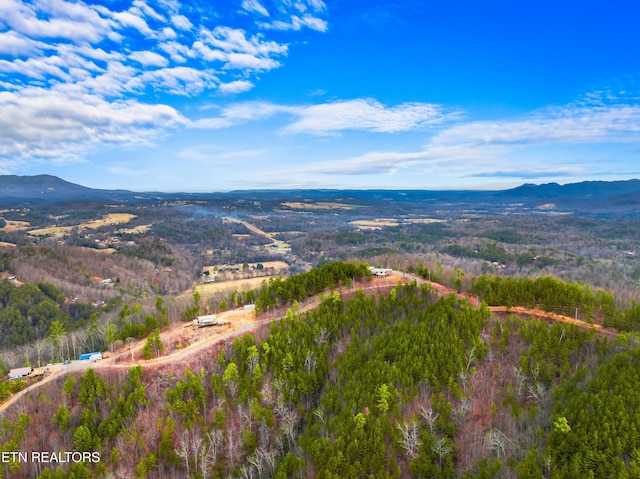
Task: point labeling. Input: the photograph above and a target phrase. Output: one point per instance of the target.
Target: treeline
(554, 295)
(279, 292)
(547, 293)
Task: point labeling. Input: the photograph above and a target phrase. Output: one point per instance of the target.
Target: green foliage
(84, 440)
(130, 323)
(188, 398)
(597, 428)
(62, 417)
(491, 252)
(152, 345)
(132, 395)
(505, 236)
(8, 388)
(426, 343)
(155, 250)
(92, 388)
(547, 293)
(146, 465)
(280, 292)
(51, 291)
(27, 312)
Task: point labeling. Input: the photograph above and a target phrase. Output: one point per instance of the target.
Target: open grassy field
(15, 225)
(321, 205)
(378, 223)
(375, 224)
(110, 219)
(229, 286)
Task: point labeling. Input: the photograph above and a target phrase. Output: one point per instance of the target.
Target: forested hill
(395, 385)
(42, 189)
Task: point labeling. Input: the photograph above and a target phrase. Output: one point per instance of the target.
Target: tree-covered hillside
(402, 384)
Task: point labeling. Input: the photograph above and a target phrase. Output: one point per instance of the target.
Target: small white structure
(20, 373)
(206, 320)
(380, 272)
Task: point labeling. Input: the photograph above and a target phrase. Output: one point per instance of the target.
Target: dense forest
(398, 384)
(31, 311)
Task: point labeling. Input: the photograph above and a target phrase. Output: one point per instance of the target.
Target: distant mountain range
(599, 198)
(41, 189)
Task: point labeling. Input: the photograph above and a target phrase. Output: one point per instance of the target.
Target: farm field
(378, 223)
(375, 223)
(13, 225)
(321, 205)
(236, 284)
(110, 219)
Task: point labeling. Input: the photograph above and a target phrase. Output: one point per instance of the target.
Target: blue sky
(241, 94)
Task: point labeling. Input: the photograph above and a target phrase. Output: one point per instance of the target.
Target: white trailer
(95, 357)
(206, 320)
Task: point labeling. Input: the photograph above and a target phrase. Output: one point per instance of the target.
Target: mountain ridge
(597, 197)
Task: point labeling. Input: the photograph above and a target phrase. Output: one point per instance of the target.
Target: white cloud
(148, 11)
(69, 69)
(148, 58)
(317, 5)
(255, 6)
(241, 113)
(297, 23)
(233, 48)
(41, 124)
(366, 114)
(503, 149)
(131, 20)
(181, 22)
(207, 53)
(238, 86)
(212, 153)
(336, 117)
(569, 125)
(248, 62)
(235, 40)
(178, 52)
(178, 80)
(14, 44)
(303, 5)
(376, 162)
(72, 21)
